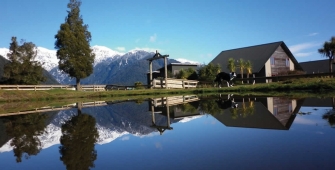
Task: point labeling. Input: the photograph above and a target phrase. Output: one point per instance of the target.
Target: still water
(181, 132)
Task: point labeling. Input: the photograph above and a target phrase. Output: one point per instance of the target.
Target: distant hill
(50, 79)
(110, 67)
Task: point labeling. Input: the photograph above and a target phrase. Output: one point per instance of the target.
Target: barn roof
(258, 55)
(318, 66)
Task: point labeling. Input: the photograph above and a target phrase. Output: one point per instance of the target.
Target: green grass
(297, 87)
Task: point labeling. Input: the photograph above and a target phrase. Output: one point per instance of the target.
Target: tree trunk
(242, 75)
(78, 84)
(330, 66)
(79, 106)
(248, 78)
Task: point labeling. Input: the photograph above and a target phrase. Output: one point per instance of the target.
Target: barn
(267, 60)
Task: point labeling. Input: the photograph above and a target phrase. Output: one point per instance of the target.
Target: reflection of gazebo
(162, 106)
(161, 129)
(155, 57)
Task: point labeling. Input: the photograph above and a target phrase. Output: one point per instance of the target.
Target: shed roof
(318, 66)
(258, 55)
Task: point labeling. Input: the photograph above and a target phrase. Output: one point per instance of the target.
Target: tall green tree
(208, 72)
(79, 135)
(328, 50)
(241, 65)
(22, 68)
(231, 65)
(72, 43)
(248, 67)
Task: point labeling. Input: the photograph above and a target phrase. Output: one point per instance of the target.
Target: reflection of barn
(268, 113)
(267, 59)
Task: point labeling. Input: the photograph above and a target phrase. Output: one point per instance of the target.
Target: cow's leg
(228, 84)
(231, 84)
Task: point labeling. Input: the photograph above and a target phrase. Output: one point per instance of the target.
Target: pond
(180, 132)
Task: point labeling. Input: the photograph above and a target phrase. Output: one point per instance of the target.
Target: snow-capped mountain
(104, 54)
(182, 60)
(47, 58)
(110, 67)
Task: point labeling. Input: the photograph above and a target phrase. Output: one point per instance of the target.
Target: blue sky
(196, 30)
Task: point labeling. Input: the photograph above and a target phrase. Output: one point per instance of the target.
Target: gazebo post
(165, 70)
(155, 57)
(150, 68)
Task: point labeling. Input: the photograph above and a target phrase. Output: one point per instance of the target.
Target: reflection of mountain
(269, 113)
(112, 121)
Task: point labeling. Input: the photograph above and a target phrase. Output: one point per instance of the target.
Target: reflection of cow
(228, 103)
(228, 77)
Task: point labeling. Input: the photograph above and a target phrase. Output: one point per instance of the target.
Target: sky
(196, 30)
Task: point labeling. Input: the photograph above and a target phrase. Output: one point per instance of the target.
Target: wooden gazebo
(155, 57)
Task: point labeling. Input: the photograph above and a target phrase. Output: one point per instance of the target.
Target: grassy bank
(299, 87)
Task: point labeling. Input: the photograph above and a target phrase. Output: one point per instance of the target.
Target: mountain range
(110, 67)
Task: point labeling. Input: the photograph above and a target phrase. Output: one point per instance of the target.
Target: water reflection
(176, 107)
(79, 129)
(265, 113)
(23, 131)
(79, 135)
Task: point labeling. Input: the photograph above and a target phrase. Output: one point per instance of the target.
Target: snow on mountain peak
(47, 57)
(3, 52)
(103, 53)
(182, 60)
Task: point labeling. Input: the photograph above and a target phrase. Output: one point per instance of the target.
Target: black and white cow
(228, 77)
(228, 103)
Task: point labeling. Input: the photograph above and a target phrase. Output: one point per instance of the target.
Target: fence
(50, 87)
(174, 83)
(285, 77)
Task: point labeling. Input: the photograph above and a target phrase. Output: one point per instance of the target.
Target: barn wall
(278, 61)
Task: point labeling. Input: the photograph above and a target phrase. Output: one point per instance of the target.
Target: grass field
(298, 87)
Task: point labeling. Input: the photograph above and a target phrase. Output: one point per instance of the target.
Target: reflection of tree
(244, 110)
(209, 106)
(330, 116)
(24, 129)
(77, 142)
(187, 107)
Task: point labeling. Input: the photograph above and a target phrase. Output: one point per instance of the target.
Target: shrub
(138, 85)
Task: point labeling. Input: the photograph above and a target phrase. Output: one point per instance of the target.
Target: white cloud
(209, 55)
(158, 145)
(121, 49)
(303, 121)
(150, 49)
(303, 50)
(303, 54)
(313, 34)
(153, 38)
(125, 138)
